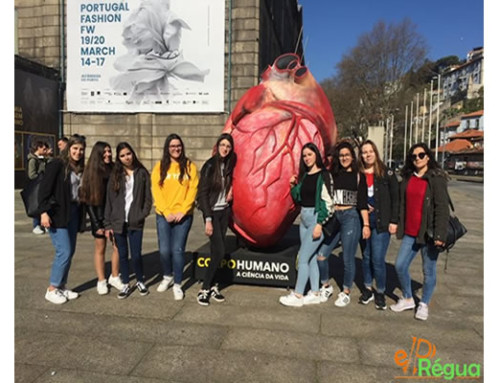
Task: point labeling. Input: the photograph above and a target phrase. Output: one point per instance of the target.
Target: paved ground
(248, 338)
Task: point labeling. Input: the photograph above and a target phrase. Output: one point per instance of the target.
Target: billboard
(134, 56)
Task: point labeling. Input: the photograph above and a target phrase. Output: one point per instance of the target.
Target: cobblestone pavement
(248, 338)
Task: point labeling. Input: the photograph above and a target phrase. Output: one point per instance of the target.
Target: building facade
(467, 78)
(256, 32)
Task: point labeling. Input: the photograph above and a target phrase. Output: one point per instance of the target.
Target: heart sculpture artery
(270, 124)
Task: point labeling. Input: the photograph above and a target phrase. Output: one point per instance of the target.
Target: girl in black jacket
(128, 203)
(423, 219)
(61, 214)
(383, 205)
(214, 199)
(93, 194)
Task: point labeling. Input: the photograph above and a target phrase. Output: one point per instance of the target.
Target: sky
(332, 27)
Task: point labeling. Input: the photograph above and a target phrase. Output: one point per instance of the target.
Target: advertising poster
(134, 56)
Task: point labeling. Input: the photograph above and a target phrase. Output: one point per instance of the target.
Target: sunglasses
(420, 155)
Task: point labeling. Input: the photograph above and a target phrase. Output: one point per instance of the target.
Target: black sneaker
(216, 295)
(141, 287)
(366, 297)
(124, 293)
(204, 297)
(380, 301)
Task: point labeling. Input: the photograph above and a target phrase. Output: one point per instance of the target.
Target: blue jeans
(36, 222)
(349, 234)
(407, 253)
(64, 242)
(307, 261)
(374, 250)
(135, 241)
(172, 238)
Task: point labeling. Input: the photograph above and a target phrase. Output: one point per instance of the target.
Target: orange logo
(418, 363)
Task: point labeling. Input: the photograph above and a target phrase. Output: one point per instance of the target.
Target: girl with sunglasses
(128, 203)
(174, 182)
(423, 219)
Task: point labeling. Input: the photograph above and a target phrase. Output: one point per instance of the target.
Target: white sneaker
(178, 293)
(55, 296)
(38, 230)
(343, 299)
(312, 299)
(165, 283)
(116, 282)
(102, 287)
(403, 304)
(69, 294)
(422, 311)
(325, 293)
(292, 300)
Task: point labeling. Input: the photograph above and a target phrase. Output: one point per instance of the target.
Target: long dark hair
(118, 172)
(95, 175)
(303, 169)
(337, 167)
(229, 162)
(69, 164)
(378, 166)
(409, 166)
(184, 162)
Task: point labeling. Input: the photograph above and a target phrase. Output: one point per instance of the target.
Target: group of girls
(368, 204)
(118, 196)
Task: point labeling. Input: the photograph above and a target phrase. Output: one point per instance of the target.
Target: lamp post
(406, 129)
(430, 113)
(437, 114)
(423, 115)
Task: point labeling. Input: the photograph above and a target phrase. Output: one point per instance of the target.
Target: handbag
(30, 196)
(455, 230)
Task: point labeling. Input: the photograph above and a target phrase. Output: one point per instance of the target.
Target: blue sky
(332, 27)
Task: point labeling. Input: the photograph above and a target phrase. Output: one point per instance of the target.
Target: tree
(372, 80)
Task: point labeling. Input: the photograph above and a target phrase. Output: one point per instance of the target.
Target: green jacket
(324, 196)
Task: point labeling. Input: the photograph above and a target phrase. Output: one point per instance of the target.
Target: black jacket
(207, 197)
(435, 211)
(96, 212)
(55, 196)
(386, 193)
(114, 212)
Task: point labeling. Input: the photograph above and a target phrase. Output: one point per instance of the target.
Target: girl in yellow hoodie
(174, 182)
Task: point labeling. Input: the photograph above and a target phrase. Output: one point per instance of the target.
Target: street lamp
(437, 114)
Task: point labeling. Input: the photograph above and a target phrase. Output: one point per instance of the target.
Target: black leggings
(220, 221)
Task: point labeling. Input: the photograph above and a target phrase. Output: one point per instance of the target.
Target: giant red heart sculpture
(270, 124)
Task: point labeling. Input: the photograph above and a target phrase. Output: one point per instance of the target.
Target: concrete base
(274, 266)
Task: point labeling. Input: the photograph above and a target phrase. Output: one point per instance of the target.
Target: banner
(134, 56)
(250, 267)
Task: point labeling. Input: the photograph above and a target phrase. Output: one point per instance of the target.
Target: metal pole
(411, 124)
(430, 115)
(437, 120)
(386, 139)
(423, 115)
(392, 135)
(406, 128)
(416, 116)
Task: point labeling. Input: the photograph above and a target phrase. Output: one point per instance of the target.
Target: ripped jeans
(349, 235)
